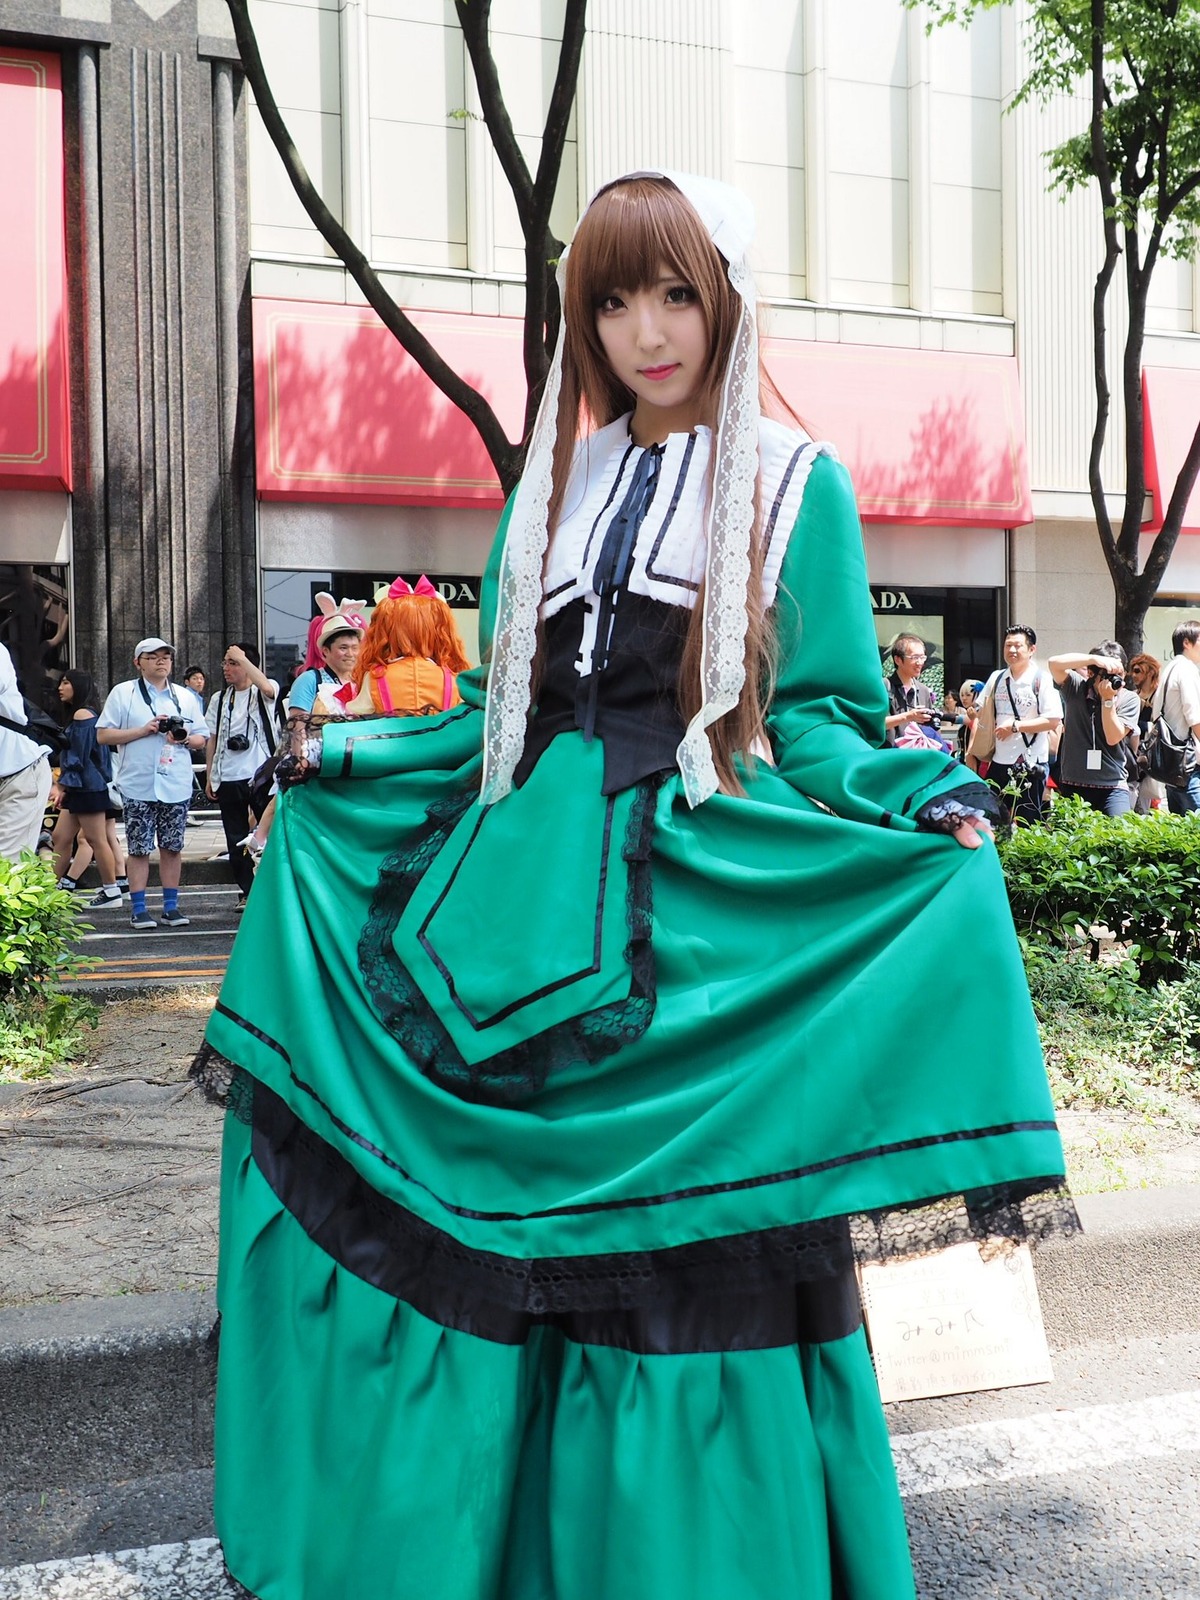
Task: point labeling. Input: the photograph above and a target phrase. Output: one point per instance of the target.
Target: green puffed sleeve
(826, 717)
(472, 684)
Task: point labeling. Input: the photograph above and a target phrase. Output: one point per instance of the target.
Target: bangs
(630, 232)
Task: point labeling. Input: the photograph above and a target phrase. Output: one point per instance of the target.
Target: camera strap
(145, 694)
(1026, 738)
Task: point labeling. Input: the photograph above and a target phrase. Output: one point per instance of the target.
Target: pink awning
(35, 438)
(1171, 412)
(344, 414)
(929, 437)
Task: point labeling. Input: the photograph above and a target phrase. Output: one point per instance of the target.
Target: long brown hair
(631, 230)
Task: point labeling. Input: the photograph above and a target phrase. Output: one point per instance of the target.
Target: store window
(35, 625)
(1164, 616)
(290, 603)
(960, 628)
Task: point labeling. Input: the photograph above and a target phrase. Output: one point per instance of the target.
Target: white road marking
(1052, 1441)
(1084, 1440)
(192, 1571)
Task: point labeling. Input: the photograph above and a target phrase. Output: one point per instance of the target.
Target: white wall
(897, 204)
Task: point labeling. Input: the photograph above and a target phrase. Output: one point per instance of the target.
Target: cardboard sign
(954, 1323)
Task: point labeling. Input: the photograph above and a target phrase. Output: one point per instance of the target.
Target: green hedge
(1137, 876)
(37, 927)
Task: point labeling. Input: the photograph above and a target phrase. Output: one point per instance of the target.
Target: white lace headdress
(729, 218)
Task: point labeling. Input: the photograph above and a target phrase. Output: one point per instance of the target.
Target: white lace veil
(729, 218)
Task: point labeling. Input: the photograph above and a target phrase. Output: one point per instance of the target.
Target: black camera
(173, 727)
(1115, 680)
(237, 742)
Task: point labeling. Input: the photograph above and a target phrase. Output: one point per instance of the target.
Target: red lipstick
(657, 374)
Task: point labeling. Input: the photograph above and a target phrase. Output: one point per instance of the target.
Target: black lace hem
(513, 1075)
(761, 1261)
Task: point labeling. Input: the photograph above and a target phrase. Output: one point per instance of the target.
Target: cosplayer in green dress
(549, 1113)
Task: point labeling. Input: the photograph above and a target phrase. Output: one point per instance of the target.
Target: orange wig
(411, 625)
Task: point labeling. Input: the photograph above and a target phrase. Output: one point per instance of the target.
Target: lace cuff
(973, 802)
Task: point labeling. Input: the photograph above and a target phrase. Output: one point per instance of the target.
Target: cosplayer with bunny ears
(576, 1083)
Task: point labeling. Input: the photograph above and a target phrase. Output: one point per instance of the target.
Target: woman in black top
(81, 789)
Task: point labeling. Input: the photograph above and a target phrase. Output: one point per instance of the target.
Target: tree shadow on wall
(947, 447)
(371, 422)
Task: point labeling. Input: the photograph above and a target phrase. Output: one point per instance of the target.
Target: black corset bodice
(631, 704)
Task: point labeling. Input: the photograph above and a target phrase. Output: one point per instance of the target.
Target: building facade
(235, 430)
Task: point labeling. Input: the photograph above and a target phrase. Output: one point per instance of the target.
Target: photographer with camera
(1024, 709)
(154, 725)
(241, 736)
(1099, 714)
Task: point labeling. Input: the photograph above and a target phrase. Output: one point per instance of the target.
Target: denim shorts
(145, 818)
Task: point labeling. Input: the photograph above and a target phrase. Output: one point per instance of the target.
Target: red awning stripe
(344, 414)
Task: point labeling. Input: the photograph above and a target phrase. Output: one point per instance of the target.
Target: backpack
(41, 727)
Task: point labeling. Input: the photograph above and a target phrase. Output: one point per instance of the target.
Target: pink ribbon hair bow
(399, 588)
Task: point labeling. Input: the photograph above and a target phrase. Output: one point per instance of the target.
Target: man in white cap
(154, 725)
(24, 770)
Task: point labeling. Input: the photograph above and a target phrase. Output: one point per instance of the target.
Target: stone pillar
(163, 509)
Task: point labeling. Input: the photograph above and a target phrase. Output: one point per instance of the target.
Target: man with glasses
(909, 700)
(154, 725)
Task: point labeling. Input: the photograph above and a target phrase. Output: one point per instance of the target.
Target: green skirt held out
(550, 1124)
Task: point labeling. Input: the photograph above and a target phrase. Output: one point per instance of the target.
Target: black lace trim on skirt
(510, 1076)
(740, 1264)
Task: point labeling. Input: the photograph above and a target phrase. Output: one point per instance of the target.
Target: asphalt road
(122, 957)
(1087, 1488)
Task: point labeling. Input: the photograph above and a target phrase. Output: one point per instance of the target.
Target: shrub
(41, 1032)
(37, 927)
(1139, 877)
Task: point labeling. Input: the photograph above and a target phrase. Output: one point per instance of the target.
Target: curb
(112, 1389)
(1135, 1272)
(93, 1390)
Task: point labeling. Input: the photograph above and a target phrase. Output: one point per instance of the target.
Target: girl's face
(657, 345)
(65, 691)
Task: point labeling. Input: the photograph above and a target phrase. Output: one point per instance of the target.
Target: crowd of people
(155, 745)
(1121, 735)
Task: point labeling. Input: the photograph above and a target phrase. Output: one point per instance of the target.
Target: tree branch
(473, 18)
(504, 455)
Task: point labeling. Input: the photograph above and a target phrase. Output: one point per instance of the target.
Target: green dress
(546, 1122)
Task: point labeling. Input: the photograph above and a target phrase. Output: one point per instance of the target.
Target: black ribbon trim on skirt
(1000, 1199)
(472, 1291)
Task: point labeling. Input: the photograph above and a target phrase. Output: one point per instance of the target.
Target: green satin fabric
(785, 1076)
(781, 934)
(363, 1450)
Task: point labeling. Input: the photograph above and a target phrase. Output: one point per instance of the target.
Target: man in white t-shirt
(1177, 701)
(1028, 710)
(241, 735)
